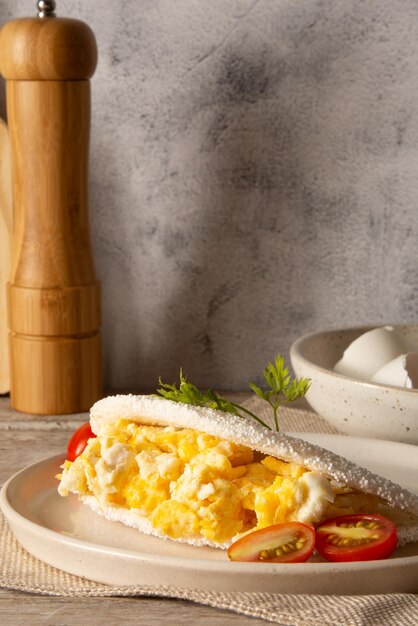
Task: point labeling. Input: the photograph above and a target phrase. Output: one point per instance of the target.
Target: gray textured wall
(254, 176)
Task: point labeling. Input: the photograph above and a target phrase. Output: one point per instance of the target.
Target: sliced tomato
(79, 441)
(356, 538)
(282, 543)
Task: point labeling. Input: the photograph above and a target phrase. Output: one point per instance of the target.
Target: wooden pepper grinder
(53, 294)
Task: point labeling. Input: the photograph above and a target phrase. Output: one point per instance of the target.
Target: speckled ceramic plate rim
(206, 573)
(295, 350)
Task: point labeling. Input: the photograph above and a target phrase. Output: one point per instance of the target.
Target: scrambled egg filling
(191, 484)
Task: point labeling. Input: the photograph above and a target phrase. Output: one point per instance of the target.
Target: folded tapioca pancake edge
(152, 410)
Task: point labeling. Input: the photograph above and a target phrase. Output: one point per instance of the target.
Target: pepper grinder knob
(46, 8)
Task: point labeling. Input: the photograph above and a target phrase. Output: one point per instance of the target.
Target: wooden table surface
(26, 439)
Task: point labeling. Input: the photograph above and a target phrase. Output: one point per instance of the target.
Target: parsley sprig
(281, 389)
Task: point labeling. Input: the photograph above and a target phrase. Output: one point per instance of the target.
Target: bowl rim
(295, 350)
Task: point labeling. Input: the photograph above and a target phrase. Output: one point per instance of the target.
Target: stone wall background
(254, 176)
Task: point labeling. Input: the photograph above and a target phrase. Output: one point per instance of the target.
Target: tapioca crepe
(206, 477)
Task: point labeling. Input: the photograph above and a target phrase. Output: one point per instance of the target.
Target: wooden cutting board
(6, 220)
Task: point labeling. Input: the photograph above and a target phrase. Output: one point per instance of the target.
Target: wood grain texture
(56, 311)
(5, 250)
(21, 448)
(49, 123)
(49, 611)
(47, 49)
(58, 375)
(54, 297)
(10, 418)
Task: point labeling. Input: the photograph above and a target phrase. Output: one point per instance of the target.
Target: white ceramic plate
(68, 535)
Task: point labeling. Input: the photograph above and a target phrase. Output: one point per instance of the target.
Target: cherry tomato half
(356, 538)
(79, 441)
(282, 543)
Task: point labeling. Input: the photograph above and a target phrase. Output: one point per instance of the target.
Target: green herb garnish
(281, 389)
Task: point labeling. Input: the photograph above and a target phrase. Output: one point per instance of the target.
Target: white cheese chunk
(318, 493)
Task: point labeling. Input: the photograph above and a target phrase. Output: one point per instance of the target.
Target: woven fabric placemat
(21, 571)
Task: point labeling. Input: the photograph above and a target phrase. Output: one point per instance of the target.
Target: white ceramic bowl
(354, 406)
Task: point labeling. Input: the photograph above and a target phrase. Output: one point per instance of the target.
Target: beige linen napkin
(21, 571)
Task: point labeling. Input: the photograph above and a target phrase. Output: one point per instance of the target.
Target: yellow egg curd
(191, 484)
